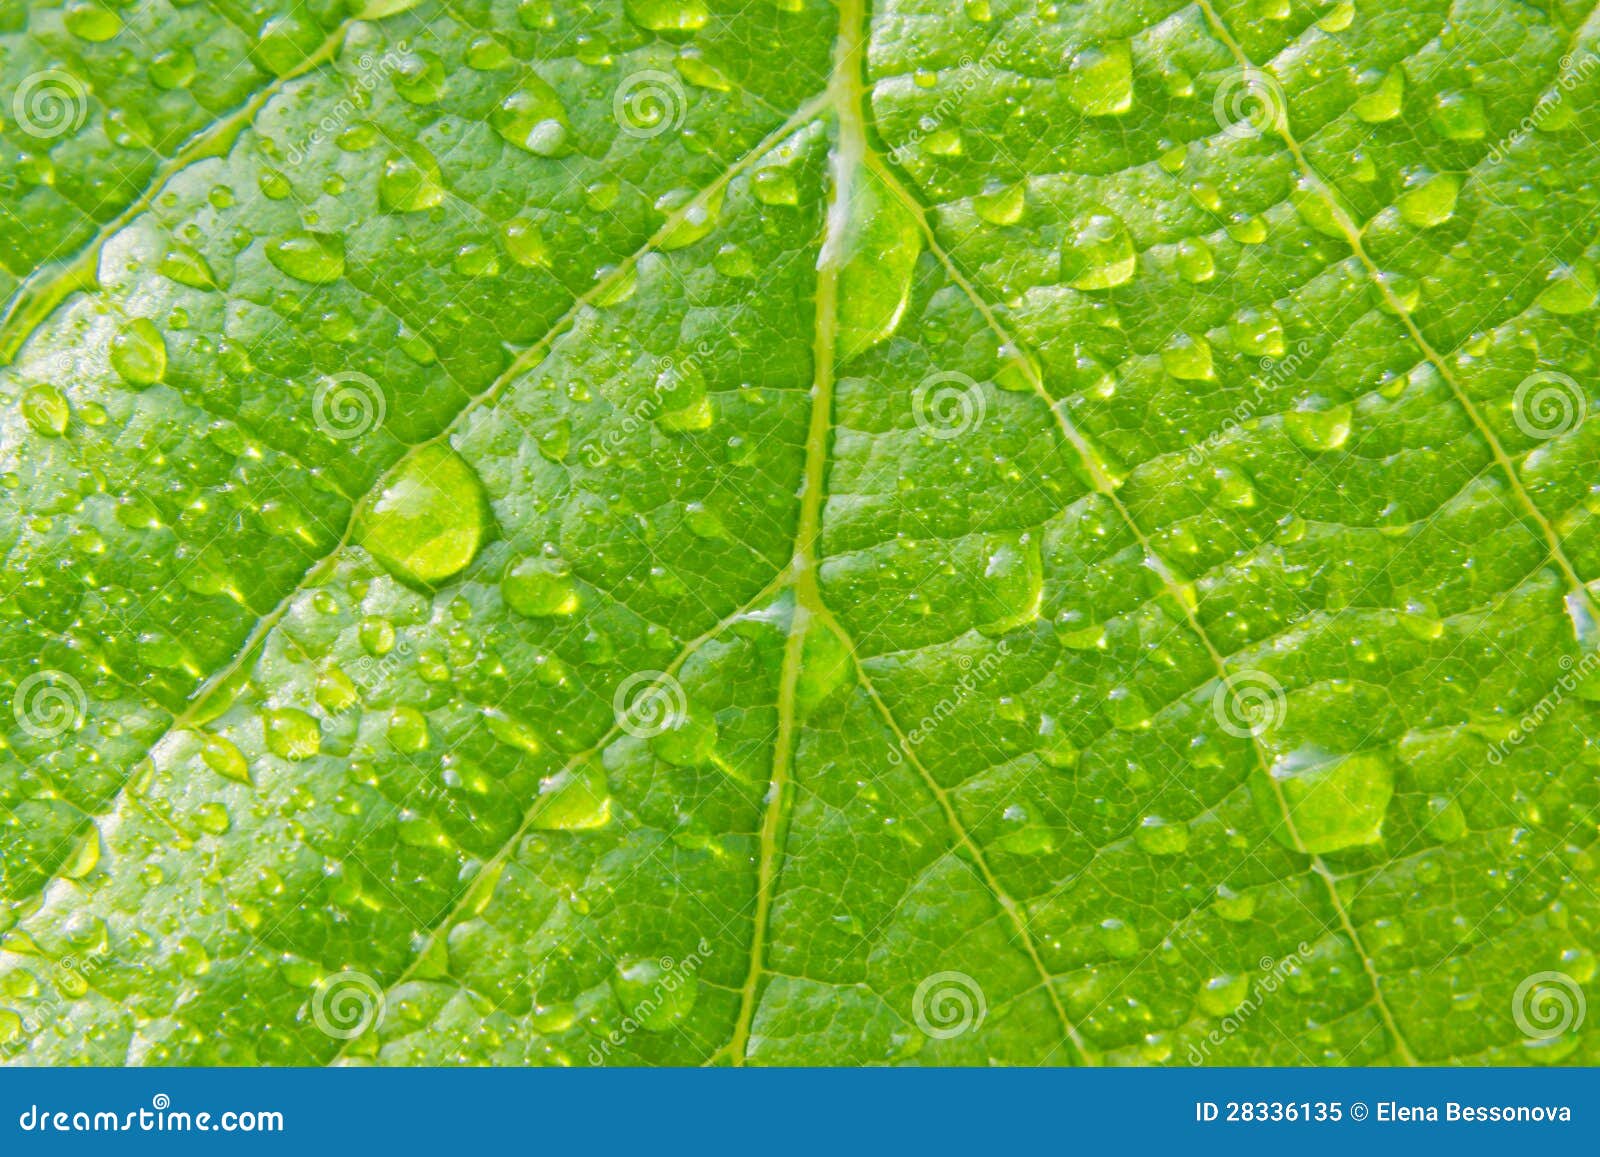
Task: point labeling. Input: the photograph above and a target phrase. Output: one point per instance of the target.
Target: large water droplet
(1318, 429)
(1099, 252)
(668, 15)
(317, 258)
(574, 800)
(410, 181)
(429, 518)
(656, 993)
(533, 119)
(881, 244)
(540, 588)
(1335, 801)
(139, 353)
(1100, 80)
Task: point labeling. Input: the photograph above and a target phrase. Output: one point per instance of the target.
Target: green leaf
(684, 531)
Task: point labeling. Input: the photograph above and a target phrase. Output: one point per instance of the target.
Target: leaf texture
(681, 532)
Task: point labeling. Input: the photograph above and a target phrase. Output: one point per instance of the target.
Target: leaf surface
(682, 532)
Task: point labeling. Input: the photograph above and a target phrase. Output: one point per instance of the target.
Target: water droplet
(285, 42)
(1222, 995)
(430, 517)
(1318, 430)
(540, 588)
(1187, 357)
(1159, 837)
(525, 243)
(1429, 200)
(1234, 907)
(1001, 204)
(317, 258)
(410, 181)
(1257, 332)
(407, 730)
(699, 217)
(1570, 288)
(92, 22)
(1446, 822)
(1012, 586)
(1100, 79)
(1336, 801)
(573, 800)
(668, 15)
(1055, 746)
(291, 734)
(533, 119)
(185, 265)
(1099, 254)
(879, 253)
(1383, 98)
(1194, 261)
(139, 353)
(657, 997)
(420, 78)
(775, 186)
(680, 390)
(45, 410)
(221, 756)
(1458, 116)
